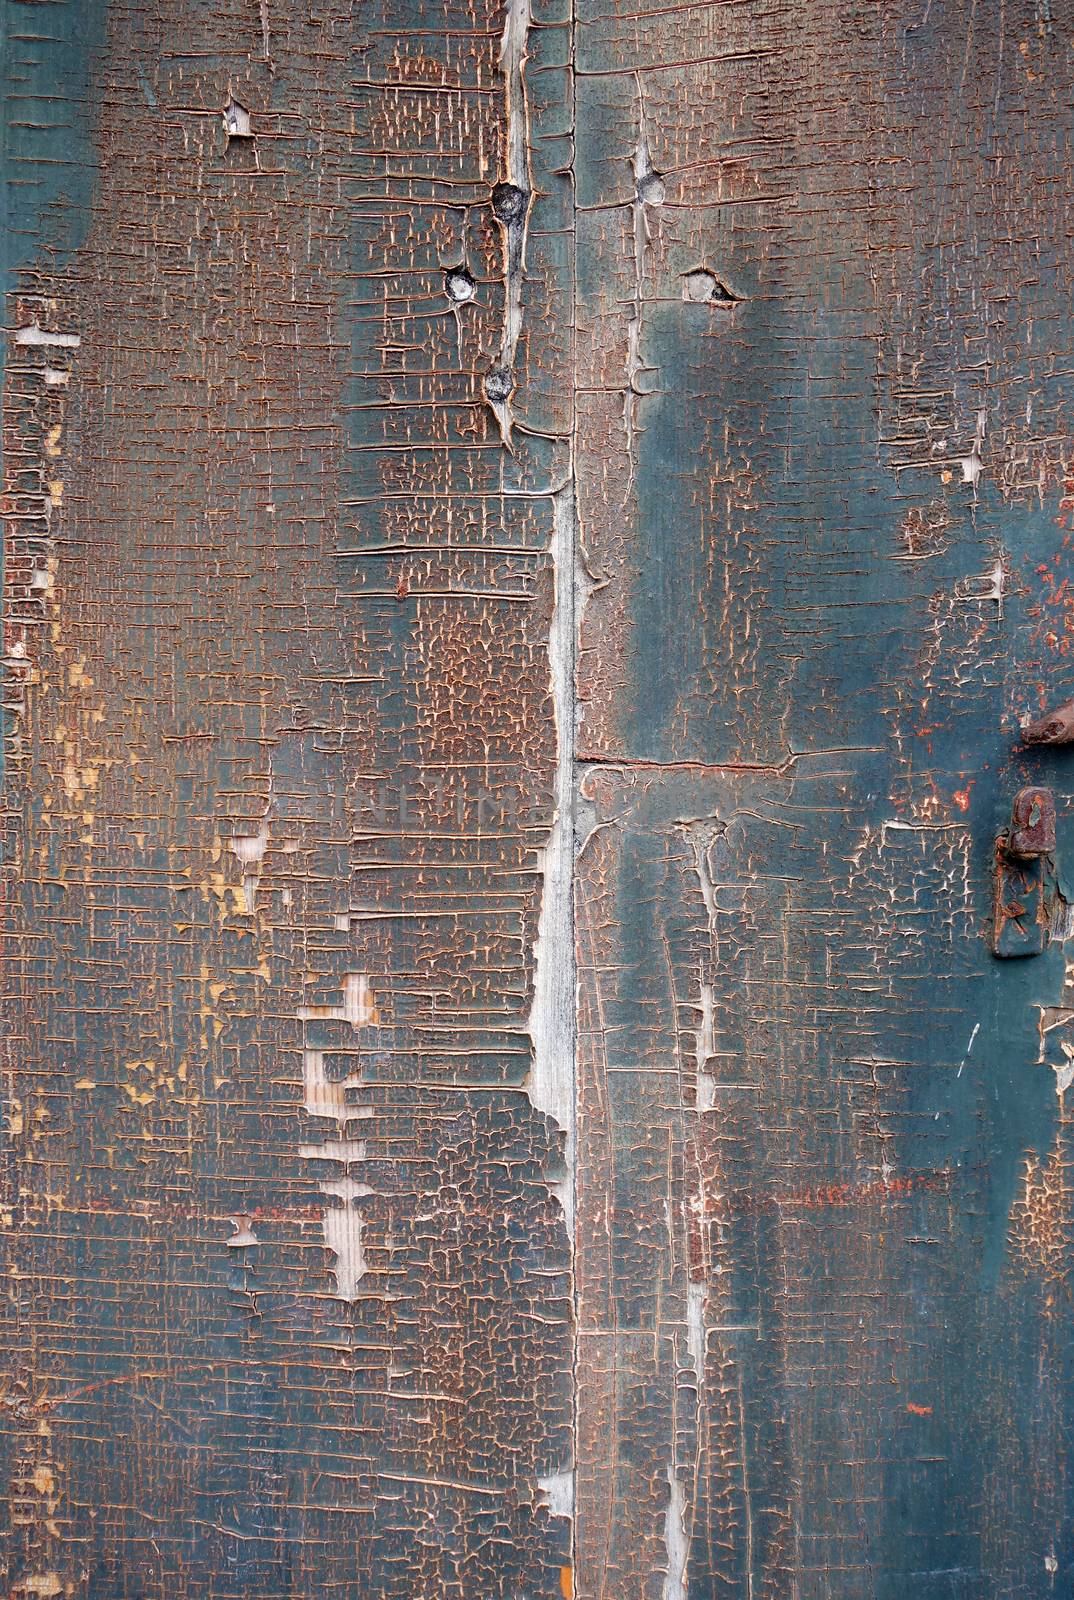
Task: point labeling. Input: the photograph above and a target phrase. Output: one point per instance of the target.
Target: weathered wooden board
(436, 438)
(287, 1306)
(824, 1200)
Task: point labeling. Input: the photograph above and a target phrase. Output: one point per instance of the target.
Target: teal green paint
(47, 152)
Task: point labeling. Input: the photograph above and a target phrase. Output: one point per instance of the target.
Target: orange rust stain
(566, 1582)
(1055, 608)
(918, 1411)
(820, 1198)
(961, 797)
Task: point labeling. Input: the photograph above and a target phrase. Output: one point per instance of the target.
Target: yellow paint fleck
(141, 1097)
(43, 1583)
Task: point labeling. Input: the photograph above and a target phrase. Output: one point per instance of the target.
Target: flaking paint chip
(237, 120)
(458, 285)
(243, 1235)
(703, 287)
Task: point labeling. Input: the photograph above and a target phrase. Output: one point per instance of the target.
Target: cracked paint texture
(530, 536)
(287, 1302)
(822, 1241)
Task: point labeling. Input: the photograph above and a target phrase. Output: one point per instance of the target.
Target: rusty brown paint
(289, 1299)
(1032, 831)
(530, 538)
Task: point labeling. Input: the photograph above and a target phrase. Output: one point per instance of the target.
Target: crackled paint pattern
(529, 537)
(287, 1308)
(823, 1235)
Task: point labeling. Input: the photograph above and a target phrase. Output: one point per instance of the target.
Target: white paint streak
(343, 1235)
(972, 464)
(969, 1047)
(249, 850)
(336, 1150)
(648, 184)
(703, 1048)
(359, 1006)
(675, 1541)
(747, 1492)
(552, 1015)
(513, 57)
(559, 1489)
(631, 392)
(327, 1097)
(695, 1329)
(988, 585)
(34, 334)
(648, 191)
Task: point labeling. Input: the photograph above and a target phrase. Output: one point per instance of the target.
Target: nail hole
(498, 384)
(704, 287)
(237, 120)
(458, 285)
(509, 202)
(650, 189)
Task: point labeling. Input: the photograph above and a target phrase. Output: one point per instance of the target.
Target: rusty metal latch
(1025, 876)
(1055, 727)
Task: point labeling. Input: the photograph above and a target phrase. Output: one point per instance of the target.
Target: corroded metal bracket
(1025, 876)
(1055, 727)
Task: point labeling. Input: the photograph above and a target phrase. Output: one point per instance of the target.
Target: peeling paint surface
(823, 1222)
(536, 564)
(287, 1305)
